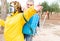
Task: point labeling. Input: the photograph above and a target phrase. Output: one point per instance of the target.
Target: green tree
(45, 6)
(54, 7)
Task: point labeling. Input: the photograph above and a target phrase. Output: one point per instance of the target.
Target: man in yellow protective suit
(13, 24)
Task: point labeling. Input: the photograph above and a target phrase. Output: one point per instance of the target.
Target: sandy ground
(45, 34)
(49, 32)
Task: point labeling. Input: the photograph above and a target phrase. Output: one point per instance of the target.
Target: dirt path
(45, 34)
(48, 34)
(1, 37)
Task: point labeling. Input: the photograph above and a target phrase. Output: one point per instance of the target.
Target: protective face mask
(11, 9)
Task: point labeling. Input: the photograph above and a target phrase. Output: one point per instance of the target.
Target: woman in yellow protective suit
(13, 24)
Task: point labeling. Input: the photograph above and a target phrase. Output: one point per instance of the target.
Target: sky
(23, 2)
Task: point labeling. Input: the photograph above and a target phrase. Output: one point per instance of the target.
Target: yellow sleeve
(2, 22)
(29, 13)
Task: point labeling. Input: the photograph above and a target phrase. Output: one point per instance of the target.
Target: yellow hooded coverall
(14, 24)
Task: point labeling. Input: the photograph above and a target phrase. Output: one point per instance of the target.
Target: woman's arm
(2, 22)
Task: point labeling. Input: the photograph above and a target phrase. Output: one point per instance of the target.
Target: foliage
(54, 7)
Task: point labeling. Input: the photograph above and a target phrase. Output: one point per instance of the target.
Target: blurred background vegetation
(53, 7)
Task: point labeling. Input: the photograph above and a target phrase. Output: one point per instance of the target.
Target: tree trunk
(3, 12)
(3, 9)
